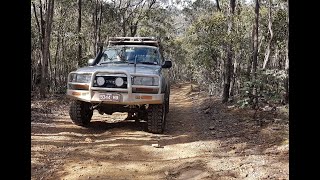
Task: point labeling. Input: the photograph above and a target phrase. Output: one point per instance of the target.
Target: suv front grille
(109, 82)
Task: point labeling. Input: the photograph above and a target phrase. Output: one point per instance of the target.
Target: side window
(151, 56)
(109, 55)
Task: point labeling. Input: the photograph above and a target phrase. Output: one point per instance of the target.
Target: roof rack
(152, 41)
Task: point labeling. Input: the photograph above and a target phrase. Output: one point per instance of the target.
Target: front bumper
(125, 98)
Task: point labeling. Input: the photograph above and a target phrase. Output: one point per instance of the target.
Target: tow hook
(95, 106)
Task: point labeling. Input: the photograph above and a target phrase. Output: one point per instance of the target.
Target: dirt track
(203, 140)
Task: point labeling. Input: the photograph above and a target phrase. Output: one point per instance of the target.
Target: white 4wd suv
(129, 75)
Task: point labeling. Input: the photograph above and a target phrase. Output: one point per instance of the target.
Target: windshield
(126, 54)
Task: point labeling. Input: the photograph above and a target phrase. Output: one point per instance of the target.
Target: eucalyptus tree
(44, 25)
(228, 61)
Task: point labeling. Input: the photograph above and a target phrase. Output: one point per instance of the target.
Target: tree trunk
(260, 43)
(124, 31)
(56, 66)
(133, 29)
(55, 62)
(46, 51)
(40, 62)
(227, 75)
(234, 74)
(221, 69)
(95, 28)
(79, 34)
(38, 24)
(218, 6)
(255, 55)
(249, 64)
(61, 72)
(276, 57)
(38, 68)
(286, 81)
(100, 22)
(49, 85)
(266, 58)
(228, 61)
(42, 23)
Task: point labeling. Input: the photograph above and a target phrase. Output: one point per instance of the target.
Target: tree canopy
(238, 50)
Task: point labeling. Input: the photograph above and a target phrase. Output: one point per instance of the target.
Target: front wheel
(156, 118)
(80, 113)
(167, 99)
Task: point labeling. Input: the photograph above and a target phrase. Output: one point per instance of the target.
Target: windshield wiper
(114, 62)
(104, 63)
(148, 63)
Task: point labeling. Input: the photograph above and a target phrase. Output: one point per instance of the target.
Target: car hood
(140, 68)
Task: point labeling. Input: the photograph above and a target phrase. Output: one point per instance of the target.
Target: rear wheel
(156, 118)
(80, 113)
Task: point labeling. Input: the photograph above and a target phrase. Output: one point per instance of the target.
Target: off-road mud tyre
(156, 118)
(167, 99)
(80, 113)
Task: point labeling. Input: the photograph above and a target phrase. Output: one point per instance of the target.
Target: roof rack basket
(133, 40)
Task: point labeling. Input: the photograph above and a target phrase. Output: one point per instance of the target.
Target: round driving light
(119, 82)
(100, 81)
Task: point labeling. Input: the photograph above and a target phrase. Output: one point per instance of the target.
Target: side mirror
(167, 64)
(90, 62)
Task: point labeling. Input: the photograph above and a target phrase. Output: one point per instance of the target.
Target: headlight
(146, 81)
(80, 78)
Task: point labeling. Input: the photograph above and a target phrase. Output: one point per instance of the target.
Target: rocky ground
(204, 139)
